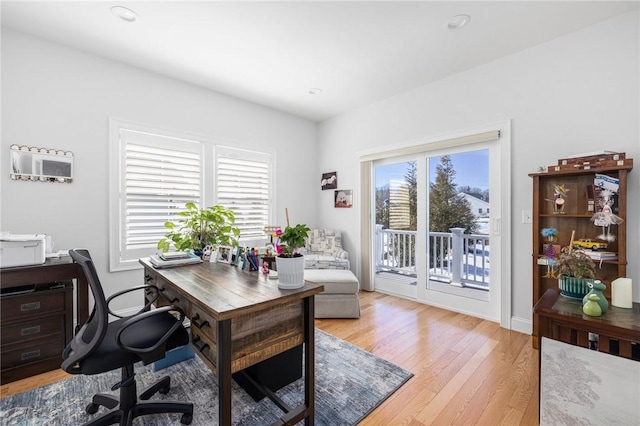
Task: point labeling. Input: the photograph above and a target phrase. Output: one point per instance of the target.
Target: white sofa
(324, 250)
(327, 263)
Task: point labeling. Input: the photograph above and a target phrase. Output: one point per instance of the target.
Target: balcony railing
(454, 257)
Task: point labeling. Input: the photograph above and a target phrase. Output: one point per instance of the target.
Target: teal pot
(574, 288)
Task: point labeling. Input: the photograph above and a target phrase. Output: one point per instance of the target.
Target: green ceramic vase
(592, 308)
(597, 288)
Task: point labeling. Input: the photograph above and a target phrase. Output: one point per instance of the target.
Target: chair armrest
(129, 290)
(144, 316)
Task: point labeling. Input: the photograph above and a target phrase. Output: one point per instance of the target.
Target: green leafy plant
(291, 240)
(197, 227)
(575, 263)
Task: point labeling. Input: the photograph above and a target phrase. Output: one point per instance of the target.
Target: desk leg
(224, 372)
(309, 360)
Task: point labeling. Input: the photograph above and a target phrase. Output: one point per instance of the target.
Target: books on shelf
(601, 255)
(174, 259)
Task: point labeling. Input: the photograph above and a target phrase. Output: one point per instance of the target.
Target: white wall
(58, 97)
(576, 94)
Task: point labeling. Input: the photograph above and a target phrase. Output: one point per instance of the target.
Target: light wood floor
(466, 370)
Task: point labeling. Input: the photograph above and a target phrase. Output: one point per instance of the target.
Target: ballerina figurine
(606, 217)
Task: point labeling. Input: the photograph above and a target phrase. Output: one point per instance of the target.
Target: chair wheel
(164, 390)
(186, 418)
(92, 408)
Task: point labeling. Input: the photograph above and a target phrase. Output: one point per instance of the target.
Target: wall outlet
(526, 216)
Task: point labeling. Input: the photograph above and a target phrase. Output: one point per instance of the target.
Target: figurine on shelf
(559, 195)
(606, 217)
(550, 251)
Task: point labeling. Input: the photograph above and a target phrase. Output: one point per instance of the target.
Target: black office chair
(101, 346)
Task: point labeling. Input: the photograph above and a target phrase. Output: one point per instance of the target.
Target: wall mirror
(41, 164)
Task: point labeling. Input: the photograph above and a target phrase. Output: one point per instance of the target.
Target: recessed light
(315, 91)
(124, 13)
(458, 22)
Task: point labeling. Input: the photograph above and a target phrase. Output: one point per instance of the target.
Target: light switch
(526, 216)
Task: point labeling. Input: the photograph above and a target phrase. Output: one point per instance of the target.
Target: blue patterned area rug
(350, 383)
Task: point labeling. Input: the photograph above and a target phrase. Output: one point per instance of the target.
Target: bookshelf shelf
(579, 208)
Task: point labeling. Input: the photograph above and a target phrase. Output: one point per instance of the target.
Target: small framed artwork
(224, 254)
(343, 198)
(329, 180)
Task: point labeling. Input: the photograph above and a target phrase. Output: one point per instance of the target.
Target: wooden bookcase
(576, 217)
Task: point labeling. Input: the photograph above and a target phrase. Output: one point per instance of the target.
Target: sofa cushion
(335, 281)
(320, 261)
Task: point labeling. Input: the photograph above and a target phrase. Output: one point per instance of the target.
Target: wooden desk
(239, 319)
(560, 318)
(37, 325)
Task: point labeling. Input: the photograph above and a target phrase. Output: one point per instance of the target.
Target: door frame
(502, 222)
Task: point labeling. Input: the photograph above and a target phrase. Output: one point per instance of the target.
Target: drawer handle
(30, 306)
(199, 346)
(172, 301)
(27, 331)
(195, 319)
(30, 355)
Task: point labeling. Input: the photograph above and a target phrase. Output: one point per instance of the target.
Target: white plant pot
(290, 272)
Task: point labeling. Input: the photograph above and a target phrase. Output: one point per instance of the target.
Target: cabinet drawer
(30, 305)
(203, 323)
(205, 347)
(168, 296)
(38, 328)
(149, 277)
(32, 351)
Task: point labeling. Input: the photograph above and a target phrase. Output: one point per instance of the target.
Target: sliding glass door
(436, 227)
(394, 236)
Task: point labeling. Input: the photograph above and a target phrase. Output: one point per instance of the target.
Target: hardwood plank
(466, 370)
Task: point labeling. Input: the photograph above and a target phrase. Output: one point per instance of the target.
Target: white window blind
(158, 183)
(243, 185)
(158, 174)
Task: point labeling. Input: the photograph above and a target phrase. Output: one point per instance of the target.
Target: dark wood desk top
(227, 292)
(626, 321)
(52, 269)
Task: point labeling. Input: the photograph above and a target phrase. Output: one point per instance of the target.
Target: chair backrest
(91, 334)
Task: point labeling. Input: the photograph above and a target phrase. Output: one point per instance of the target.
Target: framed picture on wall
(343, 198)
(329, 180)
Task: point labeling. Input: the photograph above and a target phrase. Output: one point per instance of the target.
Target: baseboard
(522, 325)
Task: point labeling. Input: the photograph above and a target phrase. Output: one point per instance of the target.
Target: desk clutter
(245, 258)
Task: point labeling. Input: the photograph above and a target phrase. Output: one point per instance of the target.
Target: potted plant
(575, 271)
(290, 262)
(198, 227)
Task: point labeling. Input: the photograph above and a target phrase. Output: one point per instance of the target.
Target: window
(155, 176)
(154, 173)
(243, 185)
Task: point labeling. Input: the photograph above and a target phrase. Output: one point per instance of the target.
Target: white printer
(21, 249)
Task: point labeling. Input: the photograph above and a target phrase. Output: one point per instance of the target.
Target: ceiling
(273, 53)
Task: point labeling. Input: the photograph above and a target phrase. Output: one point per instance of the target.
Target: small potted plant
(199, 227)
(575, 271)
(290, 262)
